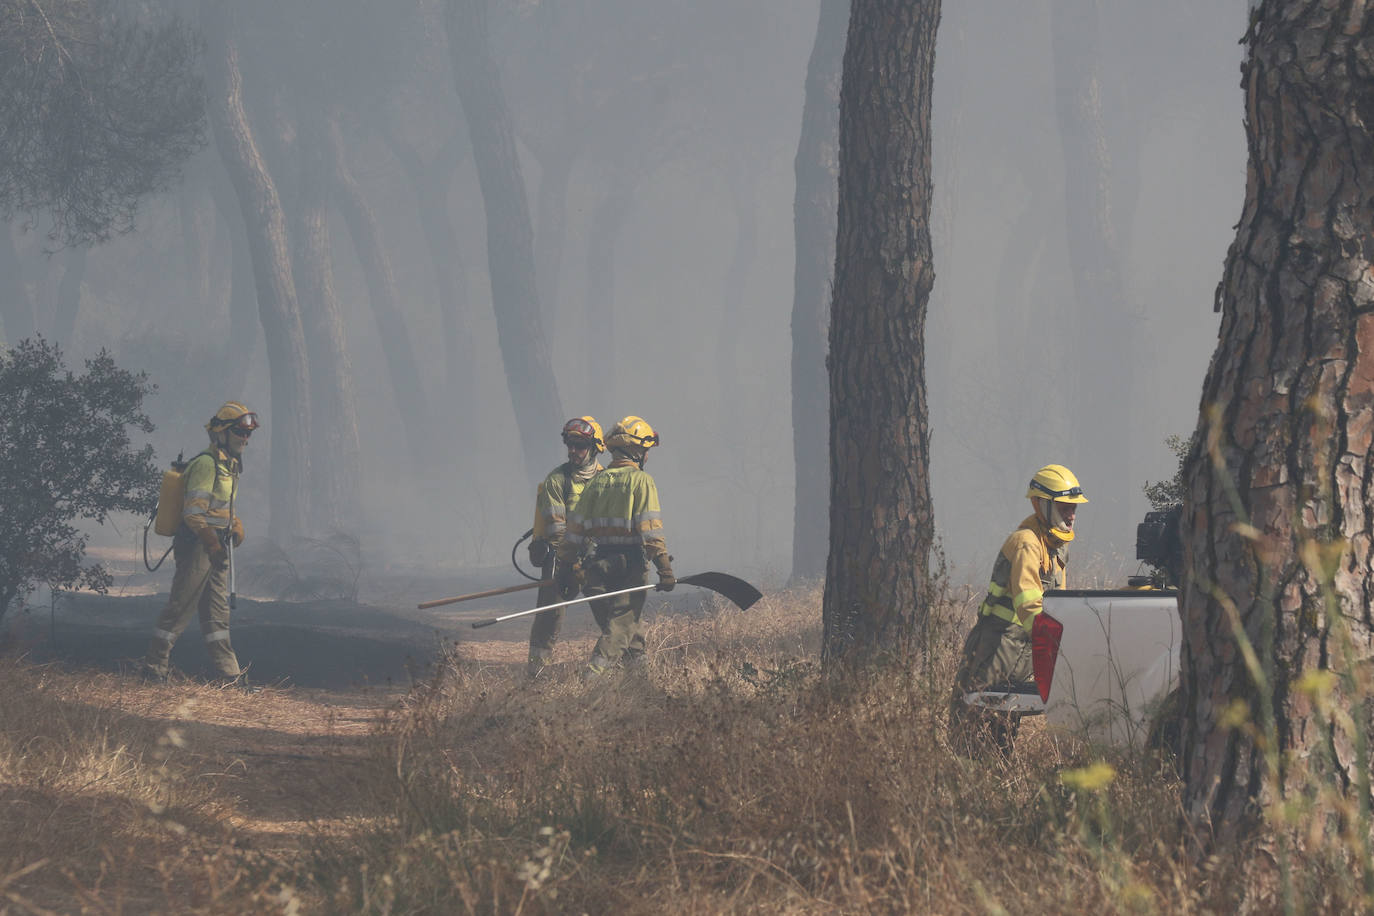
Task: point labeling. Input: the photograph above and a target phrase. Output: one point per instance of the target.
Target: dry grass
(726, 776)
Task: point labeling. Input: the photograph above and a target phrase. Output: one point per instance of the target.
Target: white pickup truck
(1116, 664)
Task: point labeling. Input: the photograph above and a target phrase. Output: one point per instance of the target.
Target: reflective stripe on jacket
(1030, 563)
(210, 480)
(553, 498)
(617, 509)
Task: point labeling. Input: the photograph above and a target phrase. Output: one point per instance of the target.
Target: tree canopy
(65, 455)
(97, 110)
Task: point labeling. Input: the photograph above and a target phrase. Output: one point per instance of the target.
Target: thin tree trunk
(814, 210)
(598, 331)
(402, 366)
(334, 483)
(196, 216)
(16, 305)
(276, 291)
(510, 243)
(1103, 352)
(552, 230)
(881, 520)
(430, 183)
(742, 258)
(242, 299)
(69, 296)
(1279, 515)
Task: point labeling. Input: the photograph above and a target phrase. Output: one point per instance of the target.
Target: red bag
(1046, 632)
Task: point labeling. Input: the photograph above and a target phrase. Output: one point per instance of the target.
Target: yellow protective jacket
(211, 479)
(1031, 562)
(618, 509)
(556, 494)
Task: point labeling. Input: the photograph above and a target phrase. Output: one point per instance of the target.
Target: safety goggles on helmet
(1070, 493)
(245, 425)
(579, 433)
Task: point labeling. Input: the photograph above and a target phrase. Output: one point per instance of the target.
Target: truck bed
(1118, 660)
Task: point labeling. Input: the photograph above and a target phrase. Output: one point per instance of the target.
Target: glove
(666, 579)
(568, 579)
(539, 552)
(236, 529)
(209, 539)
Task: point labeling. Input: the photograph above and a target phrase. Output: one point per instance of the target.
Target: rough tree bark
(814, 208)
(1279, 513)
(271, 254)
(510, 238)
(881, 522)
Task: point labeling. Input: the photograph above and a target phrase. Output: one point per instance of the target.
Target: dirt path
(283, 759)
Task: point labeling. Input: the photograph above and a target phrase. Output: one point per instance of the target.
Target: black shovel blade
(741, 593)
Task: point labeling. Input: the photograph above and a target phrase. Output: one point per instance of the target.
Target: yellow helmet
(1056, 483)
(633, 432)
(586, 429)
(232, 414)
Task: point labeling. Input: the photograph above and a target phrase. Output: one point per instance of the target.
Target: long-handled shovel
(741, 593)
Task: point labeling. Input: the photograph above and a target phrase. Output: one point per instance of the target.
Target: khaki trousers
(547, 624)
(622, 629)
(199, 587)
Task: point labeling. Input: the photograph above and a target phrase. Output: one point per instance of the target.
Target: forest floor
(265, 769)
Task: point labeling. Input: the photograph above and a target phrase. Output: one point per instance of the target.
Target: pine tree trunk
(598, 327)
(743, 254)
(510, 238)
(334, 412)
(552, 230)
(69, 296)
(242, 298)
(430, 182)
(402, 366)
(814, 210)
(196, 216)
(1278, 524)
(276, 291)
(1102, 345)
(16, 305)
(881, 523)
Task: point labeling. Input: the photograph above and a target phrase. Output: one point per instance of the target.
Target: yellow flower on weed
(1316, 683)
(1092, 778)
(1235, 715)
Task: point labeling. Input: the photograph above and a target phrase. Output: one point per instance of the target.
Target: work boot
(150, 675)
(536, 666)
(596, 667)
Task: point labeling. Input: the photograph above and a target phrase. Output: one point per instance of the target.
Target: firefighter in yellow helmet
(618, 510)
(555, 496)
(1032, 560)
(200, 584)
